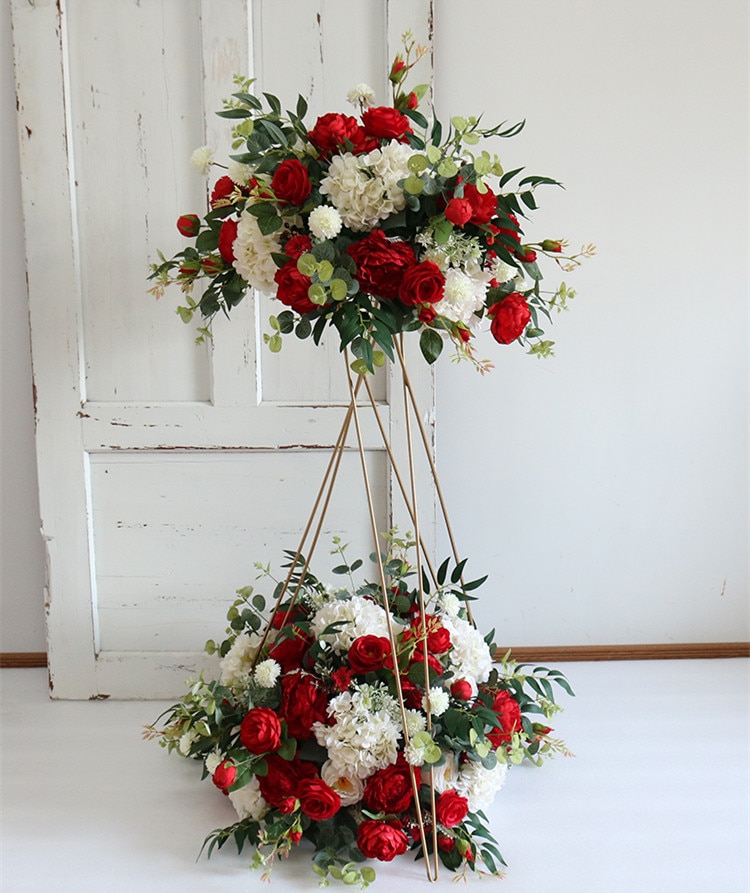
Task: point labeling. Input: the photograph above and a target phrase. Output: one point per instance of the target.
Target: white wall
(21, 555)
(605, 489)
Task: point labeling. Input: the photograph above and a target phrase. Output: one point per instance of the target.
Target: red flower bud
(551, 245)
(188, 225)
(527, 255)
(461, 689)
(412, 101)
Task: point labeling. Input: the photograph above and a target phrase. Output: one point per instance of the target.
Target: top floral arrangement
(373, 225)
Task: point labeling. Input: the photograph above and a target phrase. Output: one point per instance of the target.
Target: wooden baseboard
(552, 654)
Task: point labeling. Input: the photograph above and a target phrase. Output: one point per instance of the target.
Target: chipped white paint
(166, 470)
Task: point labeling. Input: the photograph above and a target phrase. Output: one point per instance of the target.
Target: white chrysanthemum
(239, 173)
(438, 703)
(237, 664)
(364, 188)
(501, 271)
(443, 776)
(252, 254)
(325, 222)
(470, 657)
(358, 616)
(186, 741)
(212, 761)
(463, 295)
(363, 96)
(479, 785)
(416, 721)
(450, 603)
(267, 672)
(414, 754)
(202, 159)
(249, 802)
(348, 787)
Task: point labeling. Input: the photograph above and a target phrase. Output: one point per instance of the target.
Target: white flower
(450, 603)
(501, 271)
(470, 657)
(362, 95)
(463, 295)
(267, 672)
(349, 787)
(325, 222)
(479, 785)
(358, 616)
(252, 253)
(237, 664)
(202, 159)
(212, 761)
(364, 188)
(438, 703)
(416, 721)
(443, 776)
(249, 802)
(186, 741)
(414, 754)
(239, 173)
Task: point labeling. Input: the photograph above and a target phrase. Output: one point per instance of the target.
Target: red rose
(303, 703)
(224, 775)
(188, 225)
(385, 123)
(438, 637)
(333, 131)
(412, 694)
(483, 204)
(461, 689)
(317, 799)
(227, 235)
(223, 188)
(509, 318)
(381, 840)
(381, 263)
(389, 789)
(281, 782)
(260, 730)
(369, 653)
(292, 288)
(508, 713)
(451, 808)
(291, 182)
(422, 284)
(459, 211)
(297, 246)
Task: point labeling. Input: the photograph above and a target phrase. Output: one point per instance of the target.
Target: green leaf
(431, 345)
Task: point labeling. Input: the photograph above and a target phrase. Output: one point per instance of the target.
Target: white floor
(656, 800)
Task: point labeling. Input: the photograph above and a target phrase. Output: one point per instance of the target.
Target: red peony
(292, 288)
(381, 263)
(451, 808)
(260, 730)
(227, 235)
(223, 188)
(422, 284)
(297, 246)
(188, 225)
(385, 123)
(459, 211)
(381, 840)
(332, 133)
(303, 702)
(509, 318)
(224, 775)
(483, 204)
(291, 182)
(369, 653)
(318, 800)
(508, 713)
(281, 782)
(390, 789)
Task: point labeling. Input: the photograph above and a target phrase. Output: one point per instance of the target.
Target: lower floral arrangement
(370, 726)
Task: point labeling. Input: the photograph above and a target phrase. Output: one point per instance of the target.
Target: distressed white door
(167, 470)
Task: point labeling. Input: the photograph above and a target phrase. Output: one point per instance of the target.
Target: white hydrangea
(365, 733)
(249, 802)
(439, 701)
(501, 271)
(239, 173)
(362, 96)
(252, 253)
(449, 603)
(359, 616)
(470, 657)
(202, 159)
(267, 672)
(324, 222)
(364, 188)
(464, 294)
(349, 787)
(479, 785)
(237, 664)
